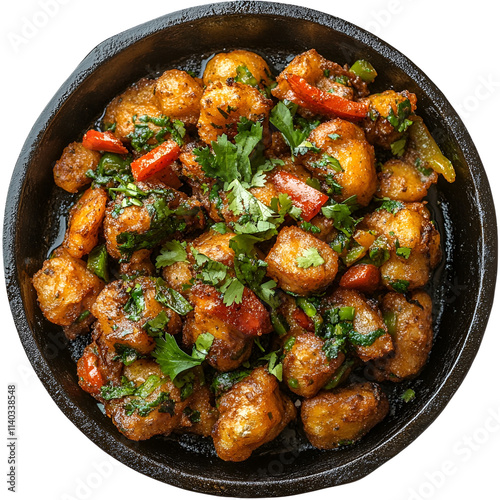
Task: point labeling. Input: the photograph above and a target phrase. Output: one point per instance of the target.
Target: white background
(456, 43)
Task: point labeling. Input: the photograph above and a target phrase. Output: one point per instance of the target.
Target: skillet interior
(463, 286)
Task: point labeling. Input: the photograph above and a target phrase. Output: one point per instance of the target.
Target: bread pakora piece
(289, 266)
(66, 291)
(241, 65)
(154, 406)
(70, 170)
(367, 320)
(385, 113)
(233, 327)
(411, 320)
(178, 96)
(252, 412)
(200, 415)
(125, 110)
(342, 416)
(123, 309)
(414, 244)
(399, 179)
(345, 142)
(160, 213)
(321, 73)
(306, 368)
(223, 105)
(85, 221)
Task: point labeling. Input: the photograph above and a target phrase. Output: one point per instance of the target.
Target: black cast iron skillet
(463, 286)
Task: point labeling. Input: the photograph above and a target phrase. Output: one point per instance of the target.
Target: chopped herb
(379, 251)
(282, 117)
(163, 402)
(398, 147)
(193, 415)
(126, 354)
(333, 347)
(222, 382)
(293, 383)
(83, 316)
(400, 286)
(171, 298)
(97, 262)
(141, 137)
(365, 339)
(309, 258)
(156, 326)
(135, 304)
(111, 391)
(327, 162)
(173, 360)
(340, 214)
(275, 367)
(164, 222)
(170, 253)
(399, 120)
(391, 206)
(402, 251)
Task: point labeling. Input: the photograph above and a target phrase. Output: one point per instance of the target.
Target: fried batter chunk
(252, 412)
(344, 415)
(66, 290)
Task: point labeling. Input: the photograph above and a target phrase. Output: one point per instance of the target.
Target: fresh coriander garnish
(310, 257)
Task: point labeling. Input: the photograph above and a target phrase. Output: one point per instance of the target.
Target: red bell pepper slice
(155, 161)
(326, 103)
(90, 376)
(103, 141)
(249, 317)
(303, 196)
(303, 320)
(362, 277)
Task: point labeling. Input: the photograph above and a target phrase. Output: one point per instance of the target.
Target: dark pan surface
(464, 212)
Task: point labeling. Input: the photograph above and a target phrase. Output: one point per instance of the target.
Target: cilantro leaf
(399, 120)
(112, 391)
(222, 382)
(171, 298)
(170, 253)
(340, 213)
(233, 292)
(251, 271)
(310, 258)
(229, 161)
(163, 402)
(402, 251)
(400, 286)
(135, 304)
(154, 327)
(391, 206)
(173, 360)
(282, 117)
(126, 354)
(365, 339)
